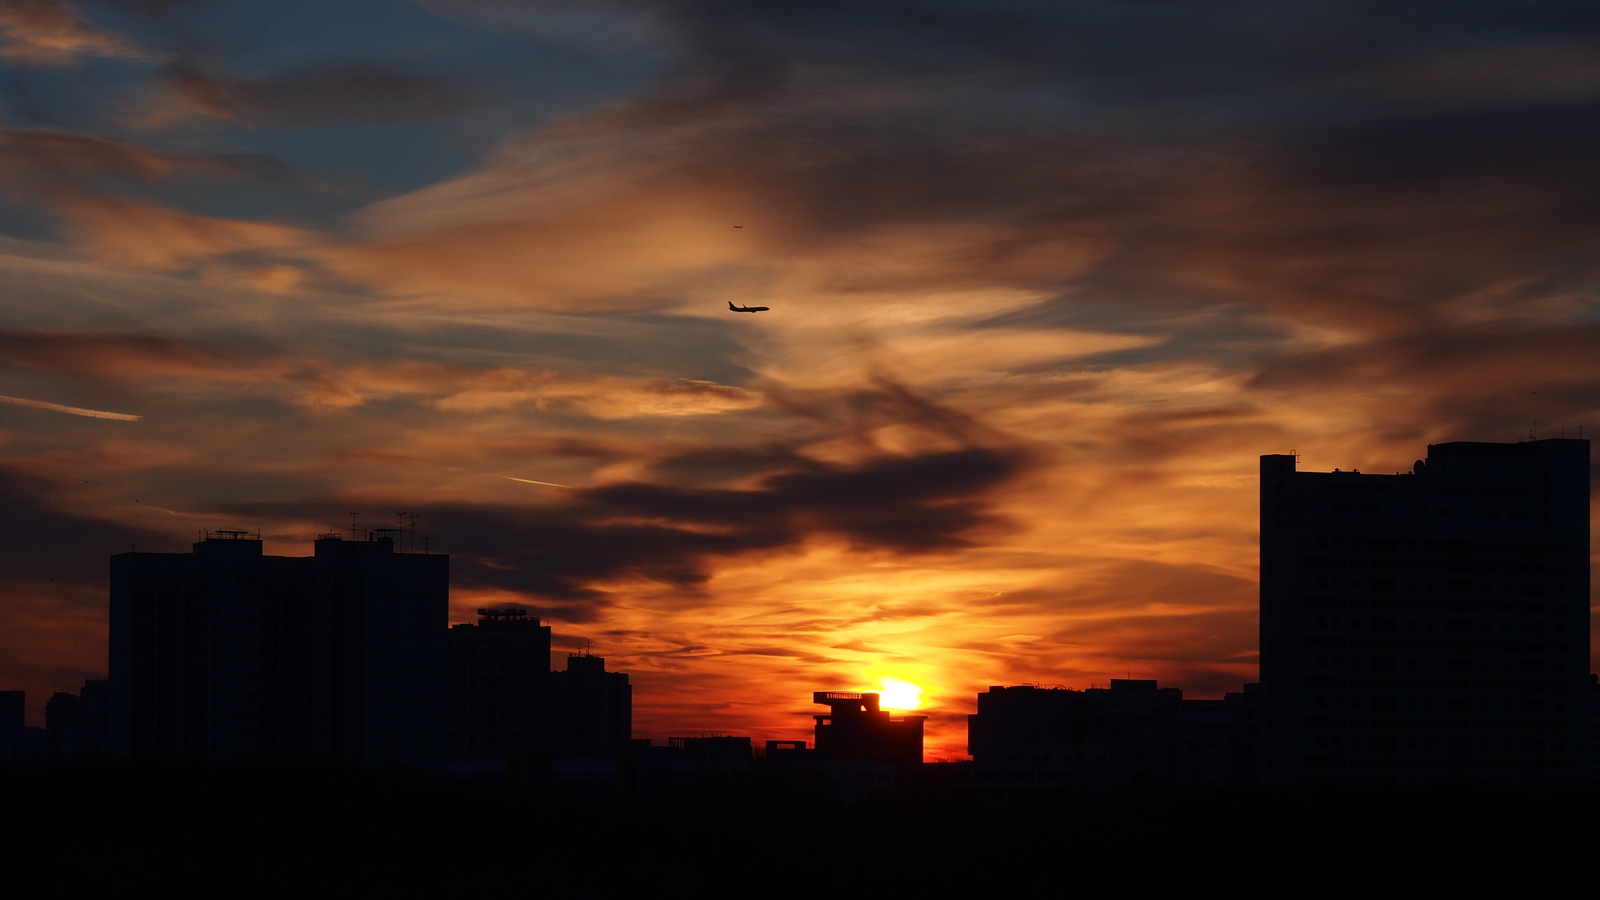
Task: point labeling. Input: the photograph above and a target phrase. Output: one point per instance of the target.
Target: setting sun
(898, 694)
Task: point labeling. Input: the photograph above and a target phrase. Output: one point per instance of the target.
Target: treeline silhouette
(290, 832)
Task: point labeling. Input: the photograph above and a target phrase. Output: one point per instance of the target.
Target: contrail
(531, 481)
(70, 410)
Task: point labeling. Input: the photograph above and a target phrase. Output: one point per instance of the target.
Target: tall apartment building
(499, 691)
(1133, 734)
(1430, 626)
(13, 716)
(591, 710)
(227, 655)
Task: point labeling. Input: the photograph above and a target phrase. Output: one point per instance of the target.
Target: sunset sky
(1046, 278)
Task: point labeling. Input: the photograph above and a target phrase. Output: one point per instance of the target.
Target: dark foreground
(110, 831)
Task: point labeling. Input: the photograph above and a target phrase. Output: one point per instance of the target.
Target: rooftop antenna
(413, 531)
(353, 525)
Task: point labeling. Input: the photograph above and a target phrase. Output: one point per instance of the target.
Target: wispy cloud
(50, 32)
(70, 410)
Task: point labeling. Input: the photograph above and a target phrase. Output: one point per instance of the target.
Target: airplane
(747, 308)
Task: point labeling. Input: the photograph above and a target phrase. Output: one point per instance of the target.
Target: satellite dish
(1419, 468)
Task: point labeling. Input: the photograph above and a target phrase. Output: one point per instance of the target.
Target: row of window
(1452, 666)
(1512, 607)
(192, 700)
(1473, 549)
(145, 737)
(1417, 510)
(1385, 744)
(1435, 684)
(1451, 704)
(168, 660)
(1456, 586)
(169, 583)
(1387, 625)
(168, 603)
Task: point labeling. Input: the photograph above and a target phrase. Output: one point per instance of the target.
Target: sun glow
(899, 694)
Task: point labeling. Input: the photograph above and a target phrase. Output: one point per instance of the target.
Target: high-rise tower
(228, 655)
(499, 691)
(1429, 626)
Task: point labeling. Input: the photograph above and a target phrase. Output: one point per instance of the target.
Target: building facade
(1431, 626)
(591, 710)
(855, 728)
(226, 655)
(499, 692)
(1132, 734)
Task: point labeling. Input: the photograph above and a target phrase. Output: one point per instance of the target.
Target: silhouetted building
(1428, 626)
(227, 655)
(591, 710)
(1220, 740)
(786, 749)
(77, 723)
(499, 692)
(855, 728)
(712, 757)
(13, 716)
(1133, 734)
(1594, 728)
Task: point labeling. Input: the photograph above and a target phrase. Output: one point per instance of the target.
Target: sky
(1045, 279)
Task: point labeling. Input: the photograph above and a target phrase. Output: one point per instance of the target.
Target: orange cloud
(49, 32)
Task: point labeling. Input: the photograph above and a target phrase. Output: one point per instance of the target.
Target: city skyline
(1042, 282)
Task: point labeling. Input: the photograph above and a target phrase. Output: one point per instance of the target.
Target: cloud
(110, 356)
(586, 542)
(50, 32)
(70, 410)
(604, 538)
(53, 621)
(1045, 279)
(329, 94)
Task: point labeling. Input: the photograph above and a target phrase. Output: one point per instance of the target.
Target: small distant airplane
(747, 308)
(738, 226)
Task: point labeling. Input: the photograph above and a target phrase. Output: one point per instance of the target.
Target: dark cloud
(154, 9)
(327, 94)
(44, 542)
(51, 165)
(571, 550)
(1494, 379)
(1223, 153)
(653, 532)
(102, 354)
